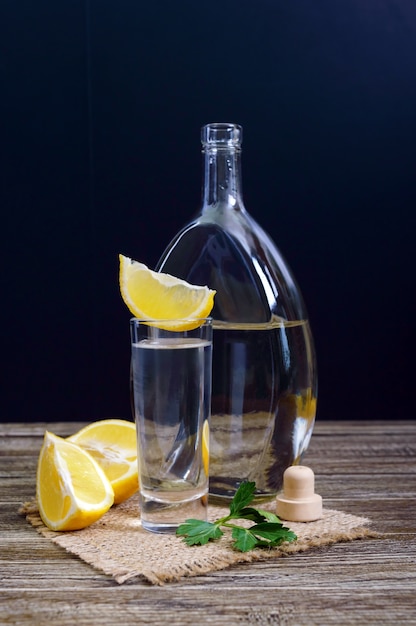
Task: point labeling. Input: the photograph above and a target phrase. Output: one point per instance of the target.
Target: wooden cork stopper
(299, 502)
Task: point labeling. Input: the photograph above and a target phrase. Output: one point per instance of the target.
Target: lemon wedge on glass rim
(151, 295)
(72, 491)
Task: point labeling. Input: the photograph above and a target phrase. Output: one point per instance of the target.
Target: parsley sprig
(267, 531)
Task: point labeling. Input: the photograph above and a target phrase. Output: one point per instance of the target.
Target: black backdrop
(101, 106)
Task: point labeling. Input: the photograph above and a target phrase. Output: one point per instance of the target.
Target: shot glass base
(160, 515)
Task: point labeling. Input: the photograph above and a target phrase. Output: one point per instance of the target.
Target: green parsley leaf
(271, 517)
(244, 539)
(243, 496)
(268, 531)
(252, 514)
(197, 532)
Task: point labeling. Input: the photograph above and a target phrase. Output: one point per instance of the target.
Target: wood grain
(363, 468)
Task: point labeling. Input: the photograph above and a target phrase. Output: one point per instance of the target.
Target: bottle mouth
(222, 135)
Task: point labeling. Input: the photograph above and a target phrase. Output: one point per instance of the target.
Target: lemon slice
(113, 445)
(153, 295)
(72, 490)
(205, 446)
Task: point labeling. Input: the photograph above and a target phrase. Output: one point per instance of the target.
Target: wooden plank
(173, 606)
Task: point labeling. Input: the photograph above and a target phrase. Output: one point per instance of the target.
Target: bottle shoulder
(230, 252)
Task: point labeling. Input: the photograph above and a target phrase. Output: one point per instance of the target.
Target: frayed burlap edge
(118, 546)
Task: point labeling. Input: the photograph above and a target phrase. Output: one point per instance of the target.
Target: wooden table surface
(363, 468)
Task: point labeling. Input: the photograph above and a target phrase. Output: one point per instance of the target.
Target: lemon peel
(72, 490)
(175, 303)
(113, 444)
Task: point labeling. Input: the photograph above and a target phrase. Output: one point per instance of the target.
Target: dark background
(101, 107)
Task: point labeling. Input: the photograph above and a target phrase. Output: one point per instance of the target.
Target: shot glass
(171, 373)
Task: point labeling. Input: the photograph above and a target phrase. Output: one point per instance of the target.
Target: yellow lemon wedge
(72, 490)
(153, 295)
(113, 444)
(205, 446)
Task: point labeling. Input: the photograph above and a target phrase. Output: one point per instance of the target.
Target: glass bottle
(264, 367)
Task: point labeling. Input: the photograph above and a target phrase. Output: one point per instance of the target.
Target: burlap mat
(118, 546)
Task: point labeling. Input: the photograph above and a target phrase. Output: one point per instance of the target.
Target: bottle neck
(222, 166)
(222, 178)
